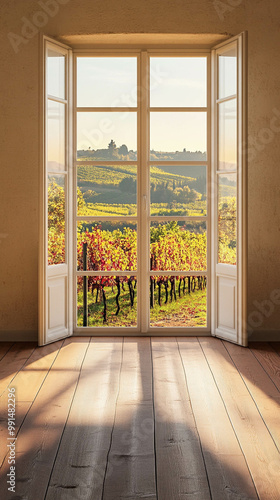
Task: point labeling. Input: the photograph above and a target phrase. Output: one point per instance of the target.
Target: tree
(56, 207)
(112, 146)
(123, 150)
(186, 195)
(128, 185)
(56, 221)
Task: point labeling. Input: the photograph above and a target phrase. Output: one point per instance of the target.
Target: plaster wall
(19, 133)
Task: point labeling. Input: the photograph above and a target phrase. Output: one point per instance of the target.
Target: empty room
(139, 243)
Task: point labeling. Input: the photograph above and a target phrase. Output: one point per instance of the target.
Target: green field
(111, 191)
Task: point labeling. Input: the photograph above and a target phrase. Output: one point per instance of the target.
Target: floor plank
(227, 470)
(27, 383)
(13, 361)
(21, 411)
(275, 346)
(255, 440)
(39, 437)
(131, 465)
(261, 387)
(29, 379)
(180, 467)
(81, 462)
(4, 348)
(161, 418)
(269, 359)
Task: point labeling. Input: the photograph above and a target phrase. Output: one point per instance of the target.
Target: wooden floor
(152, 418)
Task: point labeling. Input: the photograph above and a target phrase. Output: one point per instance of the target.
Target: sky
(174, 81)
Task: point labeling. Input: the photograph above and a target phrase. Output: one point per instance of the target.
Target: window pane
(56, 74)
(227, 219)
(227, 72)
(178, 81)
(178, 301)
(56, 219)
(107, 136)
(178, 190)
(178, 136)
(56, 136)
(107, 190)
(178, 246)
(107, 81)
(227, 135)
(110, 301)
(107, 246)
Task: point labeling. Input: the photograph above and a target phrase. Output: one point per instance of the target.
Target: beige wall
(19, 137)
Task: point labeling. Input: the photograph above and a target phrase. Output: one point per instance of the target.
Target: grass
(127, 315)
(109, 210)
(124, 209)
(112, 175)
(194, 209)
(188, 311)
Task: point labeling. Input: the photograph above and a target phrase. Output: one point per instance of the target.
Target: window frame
(143, 165)
(159, 47)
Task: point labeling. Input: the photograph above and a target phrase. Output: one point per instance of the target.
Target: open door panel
(229, 242)
(55, 314)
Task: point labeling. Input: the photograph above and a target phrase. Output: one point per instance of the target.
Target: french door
(144, 213)
(55, 257)
(142, 166)
(229, 191)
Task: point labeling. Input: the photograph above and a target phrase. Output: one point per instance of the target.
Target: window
(141, 175)
(157, 219)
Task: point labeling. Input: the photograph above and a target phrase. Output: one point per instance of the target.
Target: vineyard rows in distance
(111, 191)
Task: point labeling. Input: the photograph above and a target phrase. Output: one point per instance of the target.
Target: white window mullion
(145, 192)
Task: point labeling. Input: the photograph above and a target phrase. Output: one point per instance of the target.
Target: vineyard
(174, 246)
(111, 191)
(185, 310)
